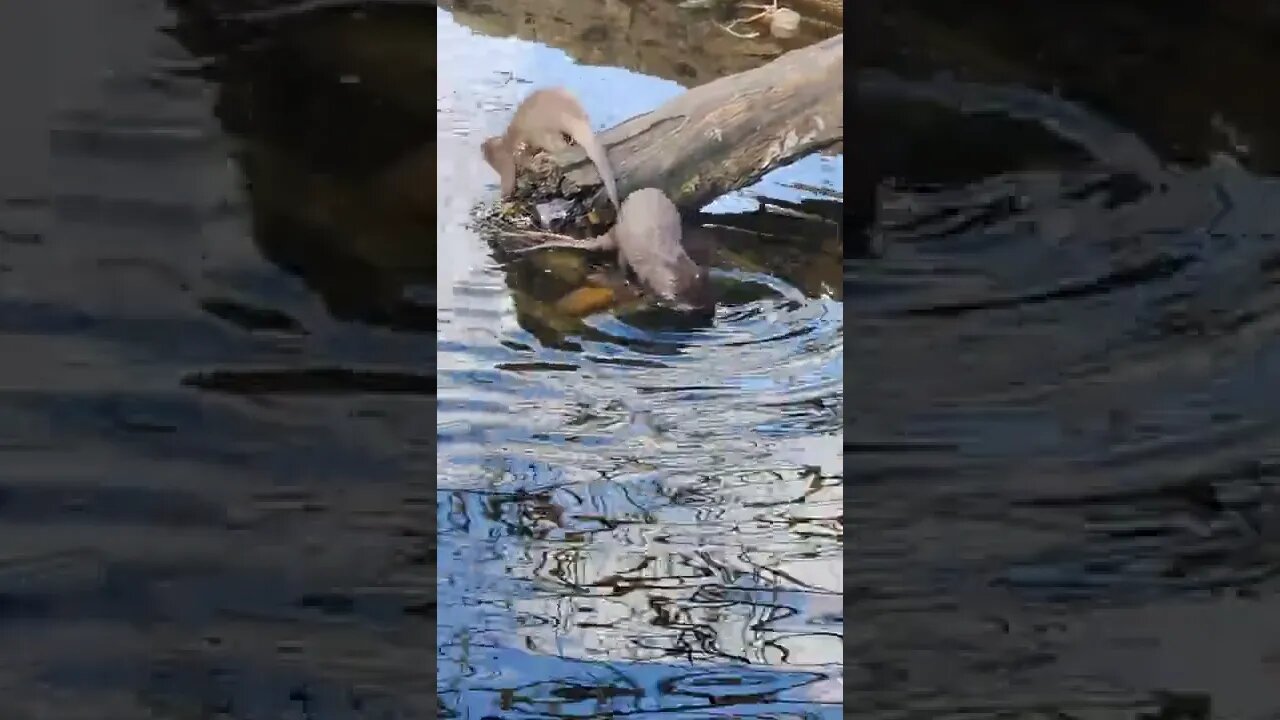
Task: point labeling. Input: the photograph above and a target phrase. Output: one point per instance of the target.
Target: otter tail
(580, 131)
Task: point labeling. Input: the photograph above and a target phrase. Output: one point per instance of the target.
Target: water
(224, 447)
(1063, 449)
(634, 518)
(223, 454)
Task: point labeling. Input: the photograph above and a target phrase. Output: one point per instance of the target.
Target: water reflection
(1065, 466)
(217, 425)
(636, 516)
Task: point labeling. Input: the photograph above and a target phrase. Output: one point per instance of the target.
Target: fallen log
(717, 137)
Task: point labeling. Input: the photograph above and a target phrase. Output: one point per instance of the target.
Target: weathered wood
(723, 135)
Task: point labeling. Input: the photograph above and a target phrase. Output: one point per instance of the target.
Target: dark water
(199, 518)
(1062, 426)
(218, 320)
(228, 487)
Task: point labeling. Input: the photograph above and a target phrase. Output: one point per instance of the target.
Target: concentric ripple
(770, 366)
(1072, 427)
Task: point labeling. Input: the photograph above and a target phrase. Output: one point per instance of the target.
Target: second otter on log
(649, 239)
(542, 120)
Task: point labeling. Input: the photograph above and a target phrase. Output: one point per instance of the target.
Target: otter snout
(692, 289)
(497, 152)
(489, 148)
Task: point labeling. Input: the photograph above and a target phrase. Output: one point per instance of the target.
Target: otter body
(542, 120)
(648, 238)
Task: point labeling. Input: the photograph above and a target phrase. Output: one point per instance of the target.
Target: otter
(542, 120)
(648, 238)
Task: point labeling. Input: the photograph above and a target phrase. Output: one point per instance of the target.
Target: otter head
(682, 285)
(503, 160)
(693, 287)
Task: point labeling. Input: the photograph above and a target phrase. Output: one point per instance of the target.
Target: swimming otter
(542, 120)
(649, 239)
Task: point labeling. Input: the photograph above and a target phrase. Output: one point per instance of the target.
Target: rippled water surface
(232, 486)
(1063, 440)
(635, 517)
(218, 424)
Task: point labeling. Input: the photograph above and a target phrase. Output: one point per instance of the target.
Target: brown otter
(649, 239)
(542, 120)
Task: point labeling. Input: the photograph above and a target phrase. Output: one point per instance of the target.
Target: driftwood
(723, 135)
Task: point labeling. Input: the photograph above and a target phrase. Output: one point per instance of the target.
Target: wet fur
(541, 121)
(649, 239)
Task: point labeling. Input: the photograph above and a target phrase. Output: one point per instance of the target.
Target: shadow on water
(1066, 294)
(216, 424)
